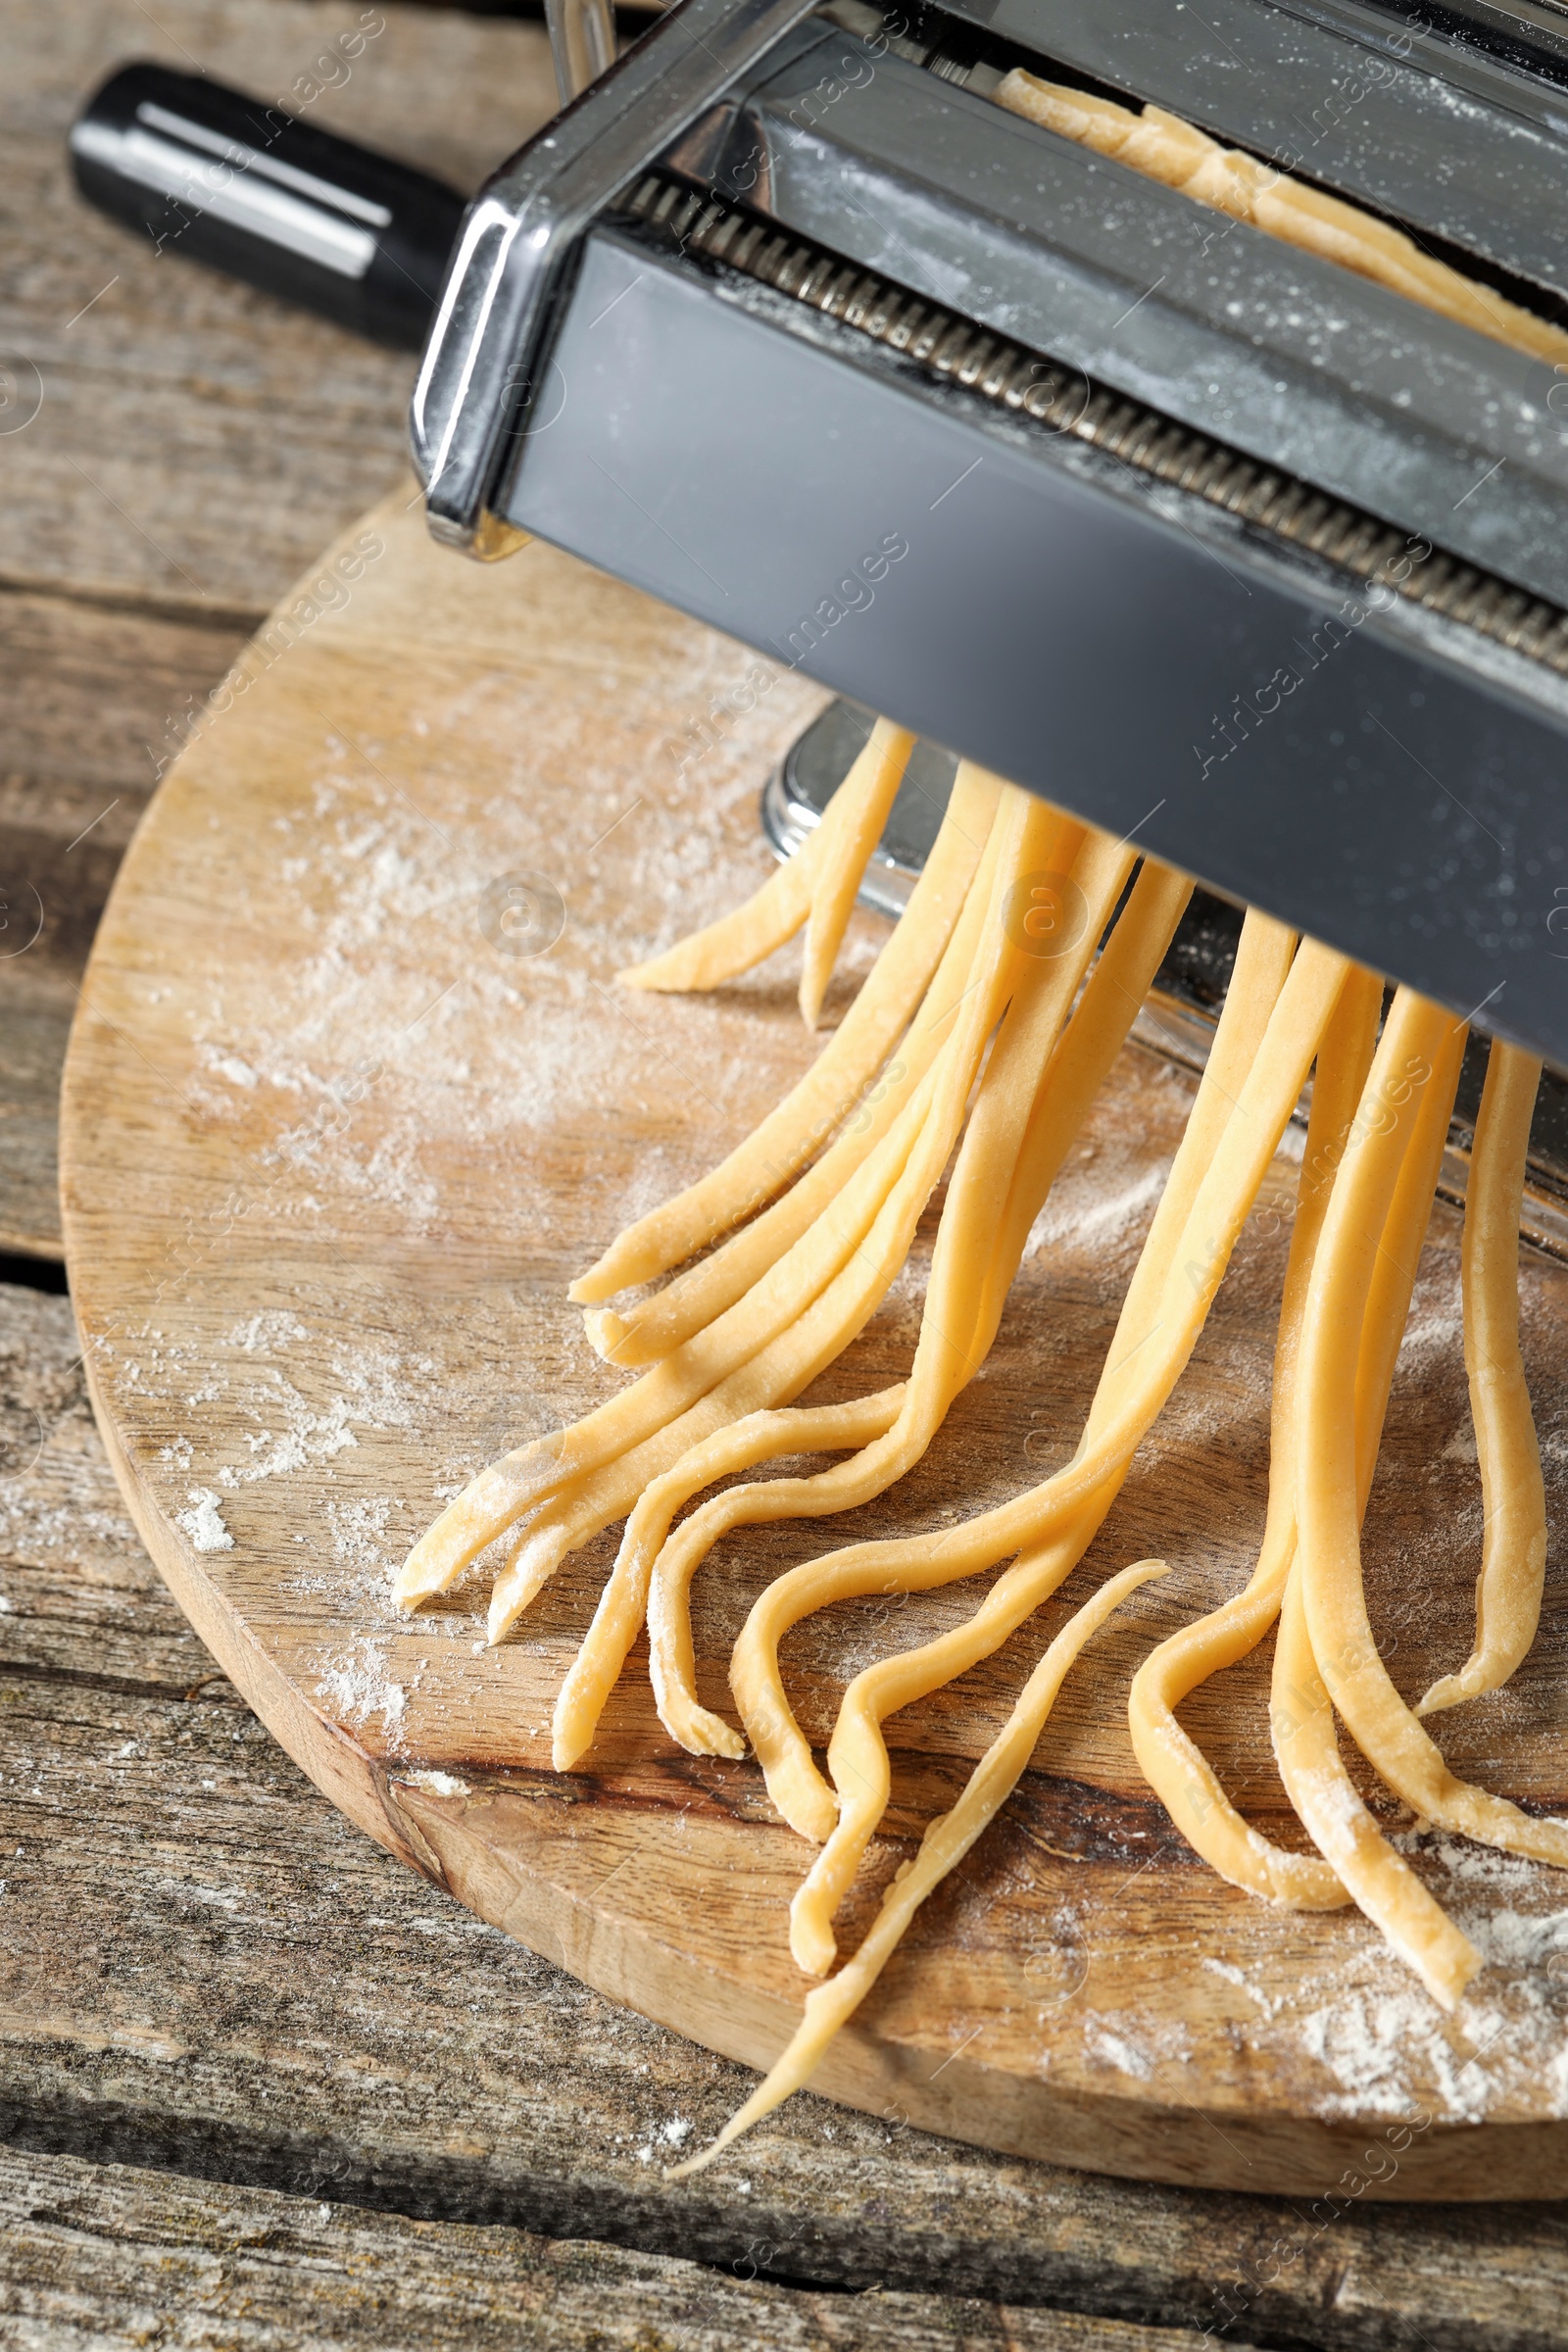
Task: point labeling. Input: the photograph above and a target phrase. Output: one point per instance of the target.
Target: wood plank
(243, 436)
(109, 2256)
(95, 699)
(214, 1974)
(198, 442)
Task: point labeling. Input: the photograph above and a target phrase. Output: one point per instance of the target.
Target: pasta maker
(789, 321)
(1209, 540)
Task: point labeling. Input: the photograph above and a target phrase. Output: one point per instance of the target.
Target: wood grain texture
(95, 699)
(330, 1158)
(197, 441)
(111, 2257)
(195, 444)
(212, 1973)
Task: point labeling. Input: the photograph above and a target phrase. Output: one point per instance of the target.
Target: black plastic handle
(205, 172)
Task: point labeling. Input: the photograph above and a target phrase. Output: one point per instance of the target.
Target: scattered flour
(1372, 2045)
(1068, 1218)
(1121, 2055)
(439, 1783)
(360, 1689)
(1134, 2044)
(271, 1330)
(357, 1529)
(204, 1522)
(306, 1437)
(229, 1066)
(1388, 2046)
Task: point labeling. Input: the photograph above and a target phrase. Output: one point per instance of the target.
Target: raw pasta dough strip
(946, 1841)
(619, 1619)
(1196, 1802)
(1301, 1718)
(790, 896)
(1116, 989)
(1164, 147)
(1125, 969)
(587, 1504)
(963, 1297)
(771, 1380)
(836, 1081)
(594, 1445)
(1191, 1275)
(781, 1371)
(502, 1493)
(840, 874)
(1171, 1761)
(698, 1297)
(1262, 965)
(778, 1373)
(1111, 1001)
(1323, 1793)
(1513, 1557)
(1382, 1727)
(857, 1754)
(662, 1323)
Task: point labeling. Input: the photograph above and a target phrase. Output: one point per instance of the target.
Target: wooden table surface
(259, 2086)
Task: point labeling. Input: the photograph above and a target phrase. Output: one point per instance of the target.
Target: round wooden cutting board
(352, 1095)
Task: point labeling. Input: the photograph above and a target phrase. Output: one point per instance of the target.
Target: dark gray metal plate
(1009, 596)
(1420, 421)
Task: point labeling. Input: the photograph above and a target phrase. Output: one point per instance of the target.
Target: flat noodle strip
(1513, 1497)
(953, 1342)
(657, 1326)
(771, 1381)
(867, 1220)
(1166, 147)
(1301, 1720)
(790, 896)
(794, 1782)
(662, 1323)
(858, 1757)
(1172, 1763)
(836, 1081)
(1313, 1771)
(867, 793)
(1384, 1729)
(1191, 1275)
(619, 1619)
(500, 1493)
(1093, 1035)
(858, 1753)
(778, 1373)
(744, 936)
(1111, 1001)
(1121, 978)
(945, 1842)
(773, 1376)
(530, 1475)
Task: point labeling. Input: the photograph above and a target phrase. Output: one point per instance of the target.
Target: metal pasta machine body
(1204, 537)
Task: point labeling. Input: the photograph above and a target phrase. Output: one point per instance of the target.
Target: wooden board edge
(1134, 2141)
(444, 1839)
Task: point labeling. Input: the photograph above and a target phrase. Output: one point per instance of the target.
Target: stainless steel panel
(1013, 598)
